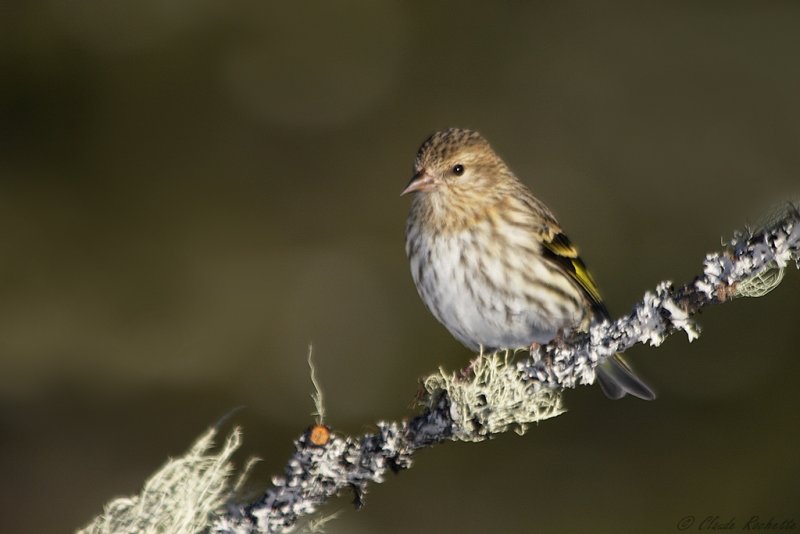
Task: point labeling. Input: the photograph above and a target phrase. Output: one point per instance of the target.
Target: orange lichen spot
(319, 435)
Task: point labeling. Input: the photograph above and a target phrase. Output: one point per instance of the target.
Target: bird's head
(456, 162)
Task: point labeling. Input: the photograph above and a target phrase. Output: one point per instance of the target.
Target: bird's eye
(458, 170)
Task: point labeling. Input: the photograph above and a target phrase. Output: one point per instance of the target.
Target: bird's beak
(421, 181)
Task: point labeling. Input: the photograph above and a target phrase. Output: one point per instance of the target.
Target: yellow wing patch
(585, 279)
(559, 249)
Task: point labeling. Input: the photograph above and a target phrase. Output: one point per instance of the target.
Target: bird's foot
(558, 340)
(468, 372)
(419, 397)
(547, 359)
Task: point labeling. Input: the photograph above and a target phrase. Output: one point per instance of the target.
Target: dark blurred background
(193, 191)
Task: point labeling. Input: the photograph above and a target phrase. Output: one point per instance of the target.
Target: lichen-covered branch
(179, 497)
(503, 391)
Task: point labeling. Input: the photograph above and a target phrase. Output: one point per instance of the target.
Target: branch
(507, 390)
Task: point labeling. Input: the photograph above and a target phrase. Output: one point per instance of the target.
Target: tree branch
(505, 391)
(500, 391)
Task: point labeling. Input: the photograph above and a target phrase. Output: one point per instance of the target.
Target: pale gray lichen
(681, 320)
(315, 473)
(179, 498)
(756, 263)
(493, 397)
(761, 282)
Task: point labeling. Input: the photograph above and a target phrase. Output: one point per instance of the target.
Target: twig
(506, 391)
(497, 393)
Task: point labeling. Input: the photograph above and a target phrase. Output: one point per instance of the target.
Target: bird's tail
(617, 379)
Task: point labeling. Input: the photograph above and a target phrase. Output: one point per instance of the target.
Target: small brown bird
(491, 262)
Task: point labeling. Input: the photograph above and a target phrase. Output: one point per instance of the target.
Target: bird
(491, 262)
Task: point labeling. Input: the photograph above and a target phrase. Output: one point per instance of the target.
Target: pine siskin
(490, 260)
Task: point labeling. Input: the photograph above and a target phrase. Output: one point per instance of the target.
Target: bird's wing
(557, 248)
(615, 376)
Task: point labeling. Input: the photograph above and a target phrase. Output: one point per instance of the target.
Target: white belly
(484, 300)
